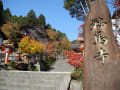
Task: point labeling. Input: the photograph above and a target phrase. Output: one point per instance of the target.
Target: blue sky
(53, 10)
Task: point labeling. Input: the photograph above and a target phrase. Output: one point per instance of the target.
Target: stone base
(76, 85)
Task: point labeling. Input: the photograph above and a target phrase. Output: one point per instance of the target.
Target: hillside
(16, 27)
(35, 32)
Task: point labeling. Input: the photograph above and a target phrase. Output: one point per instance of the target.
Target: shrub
(11, 65)
(49, 61)
(78, 74)
(21, 66)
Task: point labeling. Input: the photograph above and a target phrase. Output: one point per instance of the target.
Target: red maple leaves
(75, 59)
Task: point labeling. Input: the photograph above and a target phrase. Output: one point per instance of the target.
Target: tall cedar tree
(7, 12)
(2, 20)
(31, 18)
(41, 21)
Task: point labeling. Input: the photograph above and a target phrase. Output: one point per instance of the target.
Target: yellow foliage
(51, 34)
(56, 44)
(65, 43)
(8, 28)
(29, 46)
(69, 44)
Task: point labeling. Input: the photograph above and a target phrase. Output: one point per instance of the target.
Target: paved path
(62, 66)
(56, 79)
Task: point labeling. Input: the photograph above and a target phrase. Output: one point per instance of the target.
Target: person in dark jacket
(42, 62)
(32, 63)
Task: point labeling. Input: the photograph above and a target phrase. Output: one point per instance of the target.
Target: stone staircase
(56, 79)
(18, 80)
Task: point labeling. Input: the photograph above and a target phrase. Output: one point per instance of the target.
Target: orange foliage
(51, 34)
(56, 44)
(65, 43)
(49, 48)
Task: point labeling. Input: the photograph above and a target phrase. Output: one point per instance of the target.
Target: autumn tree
(6, 28)
(12, 32)
(51, 34)
(65, 43)
(59, 40)
(29, 46)
(49, 48)
(60, 35)
(56, 44)
(75, 60)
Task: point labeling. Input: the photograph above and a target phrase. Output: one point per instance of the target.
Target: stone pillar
(102, 55)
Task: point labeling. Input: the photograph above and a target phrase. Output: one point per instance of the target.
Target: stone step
(45, 80)
(36, 82)
(26, 87)
(29, 74)
(56, 79)
(20, 80)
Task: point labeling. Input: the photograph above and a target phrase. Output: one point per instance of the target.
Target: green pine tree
(31, 18)
(2, 20)
(7, 12)
(48, 26)
(41, 21)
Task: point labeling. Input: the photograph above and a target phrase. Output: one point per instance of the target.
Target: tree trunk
(102, 55)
